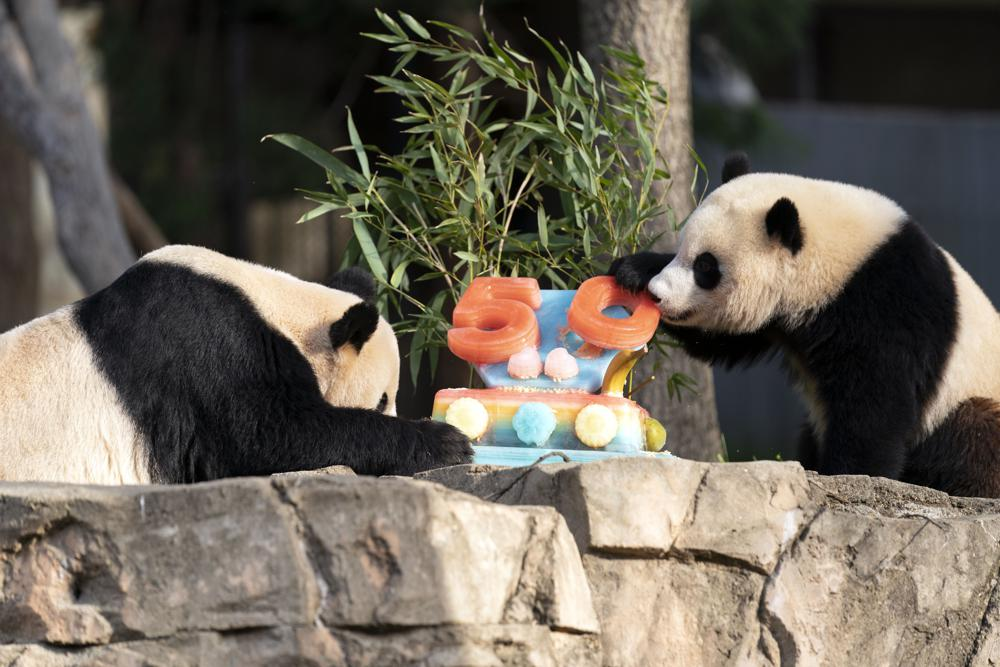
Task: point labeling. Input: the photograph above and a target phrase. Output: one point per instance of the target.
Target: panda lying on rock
(194, 366)
(895, 348)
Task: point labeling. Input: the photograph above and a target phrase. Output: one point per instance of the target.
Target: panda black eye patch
(706, 271)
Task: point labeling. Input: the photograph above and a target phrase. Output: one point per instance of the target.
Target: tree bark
(18, 250)
(658, 30)
(41, 100)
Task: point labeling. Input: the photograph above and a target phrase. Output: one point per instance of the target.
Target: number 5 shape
(494, 319)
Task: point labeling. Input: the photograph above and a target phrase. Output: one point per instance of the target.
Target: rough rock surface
(623, 562)
(764, 564)
(318, 472)
(313, 569)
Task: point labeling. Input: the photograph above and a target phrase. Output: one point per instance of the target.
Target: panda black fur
(895, 348)
(194, 366)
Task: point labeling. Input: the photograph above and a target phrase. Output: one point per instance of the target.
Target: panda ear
(355, 327)
(737, 164)
(783, 223)
(354, 280)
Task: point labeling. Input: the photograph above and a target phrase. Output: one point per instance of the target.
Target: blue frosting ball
(534, 423)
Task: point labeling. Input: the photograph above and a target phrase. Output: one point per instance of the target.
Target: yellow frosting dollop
(656, 435)
(596, 425)
(469, 416)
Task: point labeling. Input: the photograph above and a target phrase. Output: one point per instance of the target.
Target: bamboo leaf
(529, 104)
(416, 354)
(468, 256)
(381, 37)
(414, 25)
(454, 29)
(535, 127)
(399, 273)
(588, 73)
(317, 212)
(368, 249)
(551, 49)
(439, 170)
(389, 23)
(433, 354)
(359, 148)
(403, 62)
(321, 157)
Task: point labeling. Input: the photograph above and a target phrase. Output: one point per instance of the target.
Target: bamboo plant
(554, 191)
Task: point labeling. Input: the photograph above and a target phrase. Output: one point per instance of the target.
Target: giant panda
(194, 366)
(894, 347)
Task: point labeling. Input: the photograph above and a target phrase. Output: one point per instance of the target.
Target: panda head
(766, 248)
(358, 364)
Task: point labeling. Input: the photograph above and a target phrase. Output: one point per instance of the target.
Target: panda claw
(634, 272)
(439, 445)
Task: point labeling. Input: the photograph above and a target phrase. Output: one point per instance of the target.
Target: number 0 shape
(494, 319)
(586, 318)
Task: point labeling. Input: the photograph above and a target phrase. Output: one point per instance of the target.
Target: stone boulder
(313, 569)
(763, 564)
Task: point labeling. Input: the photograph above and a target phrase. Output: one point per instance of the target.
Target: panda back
(60, 418)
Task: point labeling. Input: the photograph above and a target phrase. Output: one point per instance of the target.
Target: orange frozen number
(494, 319)
(585, 315)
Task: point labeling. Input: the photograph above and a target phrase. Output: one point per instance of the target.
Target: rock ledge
(623, 562)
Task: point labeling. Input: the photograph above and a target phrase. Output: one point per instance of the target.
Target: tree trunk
(658, 30)
(41, 100)
(18, 251)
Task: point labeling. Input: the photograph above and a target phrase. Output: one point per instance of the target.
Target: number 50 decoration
(495, 318)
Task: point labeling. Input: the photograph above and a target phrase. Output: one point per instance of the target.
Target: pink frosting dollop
(525, 365)
(561, 365)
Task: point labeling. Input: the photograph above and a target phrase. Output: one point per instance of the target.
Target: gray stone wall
(624, 562)
(763, 564)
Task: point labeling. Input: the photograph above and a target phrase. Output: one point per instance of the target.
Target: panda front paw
(634, 272)
(438, 445)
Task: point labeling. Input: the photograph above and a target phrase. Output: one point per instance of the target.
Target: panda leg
(808, 452)
(367, 441)
(961, 456)
(868, 438)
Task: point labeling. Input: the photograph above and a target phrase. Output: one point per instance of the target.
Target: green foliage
(553, 192)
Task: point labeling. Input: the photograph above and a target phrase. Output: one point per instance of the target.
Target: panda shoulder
(208, 263)
(184, 255)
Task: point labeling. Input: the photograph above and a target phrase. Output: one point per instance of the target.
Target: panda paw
(439, 445)
(635, 271)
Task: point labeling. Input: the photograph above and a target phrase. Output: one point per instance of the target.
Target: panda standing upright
(895, 348)
(194, 366)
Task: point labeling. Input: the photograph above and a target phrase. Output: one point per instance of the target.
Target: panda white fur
(895, 348)
(194, 366)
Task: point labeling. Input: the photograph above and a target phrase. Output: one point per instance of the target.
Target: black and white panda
(194, 366)
(895, 348)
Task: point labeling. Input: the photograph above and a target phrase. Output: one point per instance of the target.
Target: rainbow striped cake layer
(502, 404)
